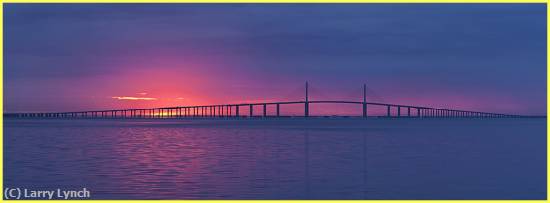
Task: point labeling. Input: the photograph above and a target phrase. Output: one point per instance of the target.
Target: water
(319, 158)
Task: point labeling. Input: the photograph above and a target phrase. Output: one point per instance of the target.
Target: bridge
(234, 110)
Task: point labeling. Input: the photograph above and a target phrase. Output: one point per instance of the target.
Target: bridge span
(235, 110)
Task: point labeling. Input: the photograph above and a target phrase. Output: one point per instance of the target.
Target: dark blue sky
(61, 57)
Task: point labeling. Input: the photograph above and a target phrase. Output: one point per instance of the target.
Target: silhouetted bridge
(234, 110)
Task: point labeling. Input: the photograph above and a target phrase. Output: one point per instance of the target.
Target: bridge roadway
(233, 110)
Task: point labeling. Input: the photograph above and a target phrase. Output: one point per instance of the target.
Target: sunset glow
(231, 56)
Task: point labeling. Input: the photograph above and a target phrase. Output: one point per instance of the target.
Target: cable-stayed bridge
(236, 110)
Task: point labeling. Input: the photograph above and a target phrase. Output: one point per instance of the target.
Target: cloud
(134, 98)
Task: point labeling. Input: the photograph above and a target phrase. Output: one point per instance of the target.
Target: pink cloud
(134, 98)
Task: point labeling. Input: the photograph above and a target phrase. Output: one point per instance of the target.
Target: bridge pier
(364, 109)
(251, 112)
(265, 110)
(306, 104)
(408, 111)
(306, 109)
(398, 111)
(389, 111)
(278, 110)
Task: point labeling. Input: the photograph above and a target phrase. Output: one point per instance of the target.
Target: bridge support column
(278, 110)
(306, 104)
(364, 100)
(265, 110)
(398, 111)
(389, 111)
(251, 112)
(306, 109)
(409, 111)
(364, 110)
(417, 112)
(237, 111)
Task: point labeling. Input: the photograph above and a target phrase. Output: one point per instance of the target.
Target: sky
(73, 57)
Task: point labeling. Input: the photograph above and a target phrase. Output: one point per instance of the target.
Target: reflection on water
(280, 159)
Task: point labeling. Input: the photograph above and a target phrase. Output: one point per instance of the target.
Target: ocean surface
(291, 158)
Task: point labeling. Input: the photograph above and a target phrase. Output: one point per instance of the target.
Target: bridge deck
(233, 110)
